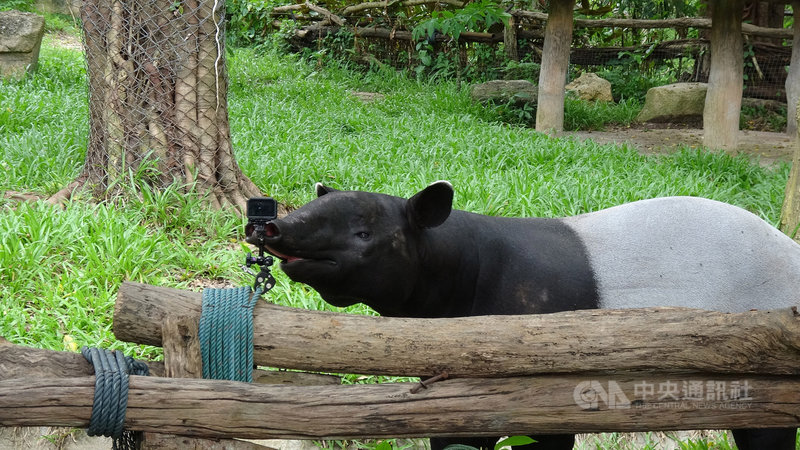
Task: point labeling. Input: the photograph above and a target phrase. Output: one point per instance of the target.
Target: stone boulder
(20, 38)
(591, 87)
(674, 102)
(518, 92)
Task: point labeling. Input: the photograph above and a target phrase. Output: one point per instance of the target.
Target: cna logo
(593, 395)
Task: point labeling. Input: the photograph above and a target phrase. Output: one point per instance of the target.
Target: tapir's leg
(545, 442)
(766, 438)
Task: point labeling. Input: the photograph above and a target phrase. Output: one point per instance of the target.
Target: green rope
(112, 370)
(226, 333)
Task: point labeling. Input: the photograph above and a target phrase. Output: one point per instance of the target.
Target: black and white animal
(417, 257)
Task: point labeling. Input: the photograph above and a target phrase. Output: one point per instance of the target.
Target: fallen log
(660, 339)
(526, 405)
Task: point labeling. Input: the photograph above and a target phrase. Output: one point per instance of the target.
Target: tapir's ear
(431, 206)
(322, 189)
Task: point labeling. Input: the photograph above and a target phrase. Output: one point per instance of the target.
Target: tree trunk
(793, 77)
(461, 407)
(555, 62)
(157, 100)
(790, 212)
(491, 346)
(724, 97)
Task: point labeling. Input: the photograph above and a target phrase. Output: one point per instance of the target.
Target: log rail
(518, 405)
(755, 342)
(573, 372)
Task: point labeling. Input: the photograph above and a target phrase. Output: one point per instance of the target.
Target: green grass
(583, 115)
(293, 124)
(44, 124)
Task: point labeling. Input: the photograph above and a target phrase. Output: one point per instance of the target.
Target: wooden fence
(572, 372)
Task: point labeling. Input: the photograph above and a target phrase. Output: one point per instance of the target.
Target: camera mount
(260, 211)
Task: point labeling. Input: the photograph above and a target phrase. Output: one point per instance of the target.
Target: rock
(591, 87)
(518, 92)
(20, 38)
(674, 102)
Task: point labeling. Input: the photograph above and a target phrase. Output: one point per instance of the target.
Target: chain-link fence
(157, 96)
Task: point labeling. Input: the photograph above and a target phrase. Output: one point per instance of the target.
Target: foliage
(249, 22)
(19, 5)
(629, 82)
(658, 9)
(512, 441)
(62, 23)
(476, 16)
(515, 70)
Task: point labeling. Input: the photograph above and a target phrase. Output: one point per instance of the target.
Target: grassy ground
(293, 124)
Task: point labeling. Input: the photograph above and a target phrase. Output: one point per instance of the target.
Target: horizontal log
(527, 405)
(17, 361)
(659, 339)
(679, 22)
(317, 31)
(384, 4)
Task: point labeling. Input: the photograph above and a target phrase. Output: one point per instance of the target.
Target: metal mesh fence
(157, 96)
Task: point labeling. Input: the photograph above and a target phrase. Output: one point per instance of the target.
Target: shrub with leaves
(475, 16)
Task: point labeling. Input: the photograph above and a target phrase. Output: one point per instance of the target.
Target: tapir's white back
(691, 252)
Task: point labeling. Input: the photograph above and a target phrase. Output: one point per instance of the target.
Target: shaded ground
(764, 146)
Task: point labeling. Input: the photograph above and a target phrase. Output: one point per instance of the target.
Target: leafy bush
(475, 16)
(249, 21)
(522, 71)
(19, 5)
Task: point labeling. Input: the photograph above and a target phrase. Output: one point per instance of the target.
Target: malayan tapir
(418, 257)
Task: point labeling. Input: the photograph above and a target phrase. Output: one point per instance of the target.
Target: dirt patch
(765, 147)
(65, 40)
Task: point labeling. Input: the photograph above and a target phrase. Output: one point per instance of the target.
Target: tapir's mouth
(287, 259)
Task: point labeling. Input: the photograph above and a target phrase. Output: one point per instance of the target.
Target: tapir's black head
(359, 247)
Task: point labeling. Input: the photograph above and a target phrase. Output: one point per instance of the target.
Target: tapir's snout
(283, 239)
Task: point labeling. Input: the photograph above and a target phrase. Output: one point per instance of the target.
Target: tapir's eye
(363, 235)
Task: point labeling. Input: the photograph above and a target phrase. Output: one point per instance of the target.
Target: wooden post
(181, 343)
(555, 62)
(724, 97)
(510, 39)
(460, 407)
(492, 346)
(182, 359)
(790, 212)
(793, 77)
